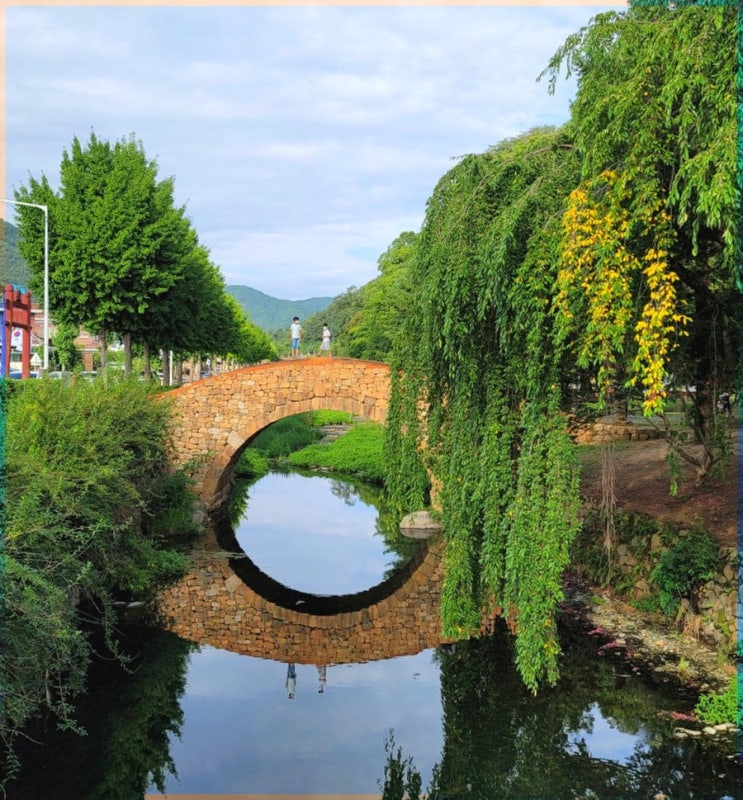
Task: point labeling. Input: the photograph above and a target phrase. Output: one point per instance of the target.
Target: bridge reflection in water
(227, 602)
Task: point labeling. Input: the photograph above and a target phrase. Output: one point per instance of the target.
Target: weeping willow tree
(606, 249)
(476, 390)
(651, 264)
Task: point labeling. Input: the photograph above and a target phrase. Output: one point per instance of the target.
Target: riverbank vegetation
(94, 519)
(357, 453)
(296, 441)
(597, 259)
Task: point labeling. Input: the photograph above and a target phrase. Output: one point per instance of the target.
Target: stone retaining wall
(614, 431)
(710, 612)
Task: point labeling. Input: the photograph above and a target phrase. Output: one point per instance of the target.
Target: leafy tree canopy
(649, 267)
(123, 257)
(607, 247)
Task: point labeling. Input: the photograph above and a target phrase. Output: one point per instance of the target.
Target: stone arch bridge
(218, 416)
(225, 601)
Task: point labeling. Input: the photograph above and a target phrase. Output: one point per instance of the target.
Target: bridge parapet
(218, 416)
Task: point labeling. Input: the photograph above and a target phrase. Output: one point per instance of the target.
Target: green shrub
(286, 436)
(648, 605)
(716, 709)
(690, 560)
(358, 452)
(93, 512)
(329, 417)
(252, 464)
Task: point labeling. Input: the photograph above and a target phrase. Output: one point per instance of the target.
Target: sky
(302, 139)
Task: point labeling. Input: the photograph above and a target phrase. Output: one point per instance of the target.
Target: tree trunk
(166, 367)
(178, 370)
(147, 361)
(102, 348)
(127, 354)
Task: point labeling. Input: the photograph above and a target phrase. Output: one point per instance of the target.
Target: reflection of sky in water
(605, 741)
(305, 537)
(242, 734)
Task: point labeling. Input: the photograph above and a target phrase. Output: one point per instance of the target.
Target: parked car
(61, 375)
(16, 375)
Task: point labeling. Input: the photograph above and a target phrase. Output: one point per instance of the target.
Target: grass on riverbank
(358, 452)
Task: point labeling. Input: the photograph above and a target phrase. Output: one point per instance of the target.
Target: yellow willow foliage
(601, 279)
(660, 325)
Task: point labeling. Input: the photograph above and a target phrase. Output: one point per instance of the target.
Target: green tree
(117, 241)
(30, 229)
(385, 302)
(65, 352)
(365, 321)
(338, 315)
(654, 123)
(197, 316)
(477, 357)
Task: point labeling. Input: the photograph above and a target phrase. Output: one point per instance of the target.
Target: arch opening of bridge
(276, 593)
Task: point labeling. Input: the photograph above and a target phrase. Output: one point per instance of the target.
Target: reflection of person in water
(291, 681)
(321, 678)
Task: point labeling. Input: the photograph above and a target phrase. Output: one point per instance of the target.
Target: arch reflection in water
(228, 602)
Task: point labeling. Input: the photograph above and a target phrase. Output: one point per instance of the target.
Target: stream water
(196, 720)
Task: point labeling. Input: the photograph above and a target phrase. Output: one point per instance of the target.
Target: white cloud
(299, 137)
(308, 261)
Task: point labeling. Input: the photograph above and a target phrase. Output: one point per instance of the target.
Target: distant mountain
(271, 313)
(13, 269)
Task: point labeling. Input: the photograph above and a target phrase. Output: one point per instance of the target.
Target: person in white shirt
(296, 334)
(325, 344)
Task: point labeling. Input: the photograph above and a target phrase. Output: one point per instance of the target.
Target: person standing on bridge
(296, 334)
(325, 343)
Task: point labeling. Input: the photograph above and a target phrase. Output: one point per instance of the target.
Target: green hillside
(13, 269)
(271, 313)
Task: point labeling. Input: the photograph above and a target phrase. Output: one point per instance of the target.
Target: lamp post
(45, 209)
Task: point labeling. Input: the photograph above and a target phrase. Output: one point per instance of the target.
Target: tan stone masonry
(213, 606)
(218, 416)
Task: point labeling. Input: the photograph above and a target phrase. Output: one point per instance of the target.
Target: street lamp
(45, 209)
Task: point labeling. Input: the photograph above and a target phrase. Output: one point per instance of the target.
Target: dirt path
(643, 483)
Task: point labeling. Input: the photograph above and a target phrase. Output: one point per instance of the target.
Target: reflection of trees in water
(128, 716)
(500, 741)
(387, 524)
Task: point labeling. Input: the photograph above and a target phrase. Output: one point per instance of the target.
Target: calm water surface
(314, 534)
(225, 723)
